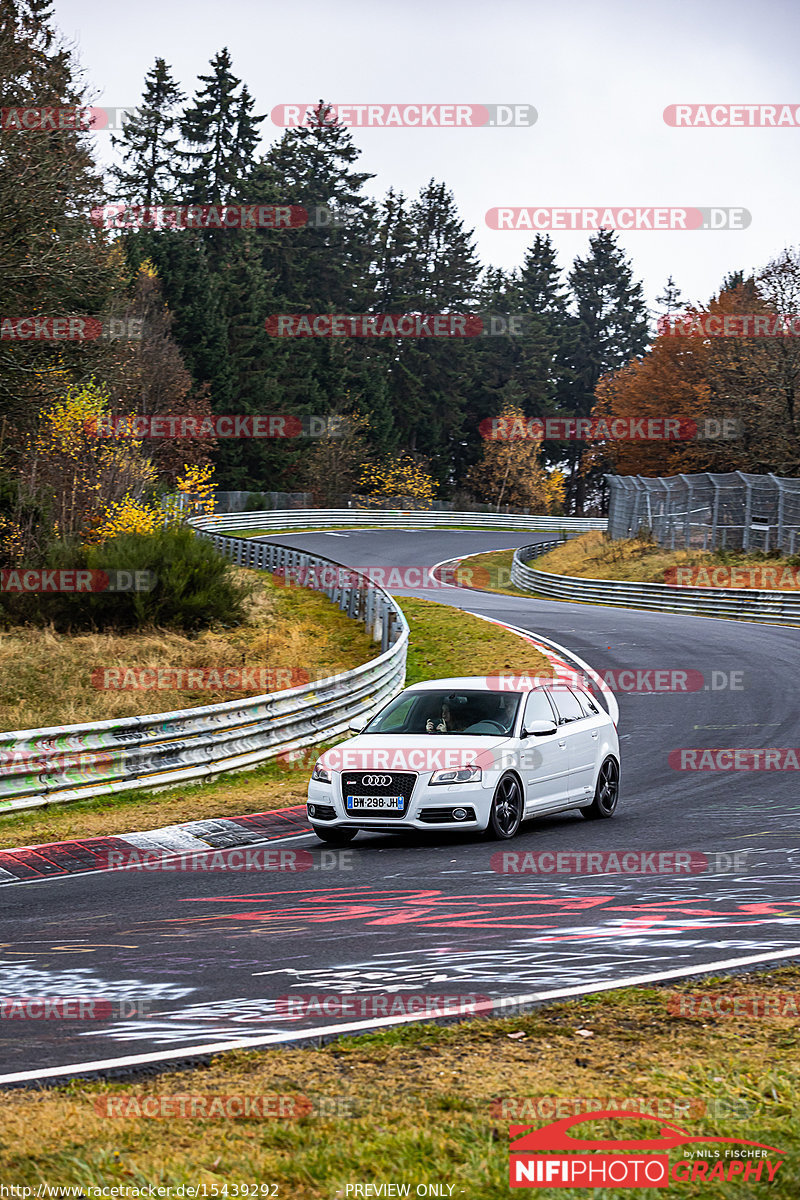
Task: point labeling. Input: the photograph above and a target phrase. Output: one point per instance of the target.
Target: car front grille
(364, 783)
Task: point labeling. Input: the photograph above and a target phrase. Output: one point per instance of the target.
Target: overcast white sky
(599, 75)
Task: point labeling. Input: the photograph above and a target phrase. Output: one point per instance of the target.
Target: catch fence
(732, 511)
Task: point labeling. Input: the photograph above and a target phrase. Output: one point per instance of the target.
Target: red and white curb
(29, 864)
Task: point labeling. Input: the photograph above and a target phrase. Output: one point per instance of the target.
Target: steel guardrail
(322, 518)
(776, 607)
(77, 762)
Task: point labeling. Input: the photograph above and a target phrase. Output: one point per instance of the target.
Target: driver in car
(450, 722)
(505, 713)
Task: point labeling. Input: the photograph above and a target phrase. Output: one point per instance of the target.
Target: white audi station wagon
(468, 753)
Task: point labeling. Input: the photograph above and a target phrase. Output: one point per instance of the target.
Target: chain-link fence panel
(732, 511)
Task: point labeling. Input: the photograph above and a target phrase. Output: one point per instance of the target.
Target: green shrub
(195, 587)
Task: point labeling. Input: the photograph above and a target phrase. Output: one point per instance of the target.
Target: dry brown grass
(443, 642)
(46, 677)
(595, 556)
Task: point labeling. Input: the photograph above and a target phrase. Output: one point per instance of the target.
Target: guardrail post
(388, 629)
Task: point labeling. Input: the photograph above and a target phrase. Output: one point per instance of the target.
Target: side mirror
(357, 724)
(539, 729)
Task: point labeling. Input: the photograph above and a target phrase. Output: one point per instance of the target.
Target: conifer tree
(149, 141)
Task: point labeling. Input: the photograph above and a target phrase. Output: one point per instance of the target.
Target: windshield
(484, 714)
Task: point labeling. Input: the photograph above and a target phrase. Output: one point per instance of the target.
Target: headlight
(457, 775)
(321, 774)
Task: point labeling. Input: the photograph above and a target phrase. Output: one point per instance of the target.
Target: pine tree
(544, 373)
(147, 143)
(53, 260)
(670, 299)
(220, 132)
(430, 377)
(322, 267)
(610, 329)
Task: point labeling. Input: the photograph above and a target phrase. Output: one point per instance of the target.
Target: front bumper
(430, 807)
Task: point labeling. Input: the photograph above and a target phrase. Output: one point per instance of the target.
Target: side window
(537, 708)
(567, 705)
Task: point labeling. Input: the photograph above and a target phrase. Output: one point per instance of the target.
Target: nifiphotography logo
(606, 1162)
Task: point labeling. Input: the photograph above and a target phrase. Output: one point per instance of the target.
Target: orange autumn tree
(708, 380)
(510, 469)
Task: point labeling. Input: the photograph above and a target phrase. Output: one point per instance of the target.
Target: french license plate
(392, 803)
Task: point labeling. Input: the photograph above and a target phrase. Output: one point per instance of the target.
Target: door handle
(594, 735)
(562, 744)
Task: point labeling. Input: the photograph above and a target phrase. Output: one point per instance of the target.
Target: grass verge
(446, 642)
(489, 572)
(595, 556)
(443, 642)
(47, 678)
(430, 1103)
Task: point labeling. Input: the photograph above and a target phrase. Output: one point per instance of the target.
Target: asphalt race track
(211, 954)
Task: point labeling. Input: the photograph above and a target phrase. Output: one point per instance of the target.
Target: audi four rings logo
(377, 780)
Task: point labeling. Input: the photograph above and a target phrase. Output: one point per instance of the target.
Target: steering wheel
(500, 728)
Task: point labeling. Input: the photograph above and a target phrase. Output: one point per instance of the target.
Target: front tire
(507, 807)
(606, 793)
(336, 836)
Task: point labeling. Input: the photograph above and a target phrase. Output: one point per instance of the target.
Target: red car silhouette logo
(557, 1136)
